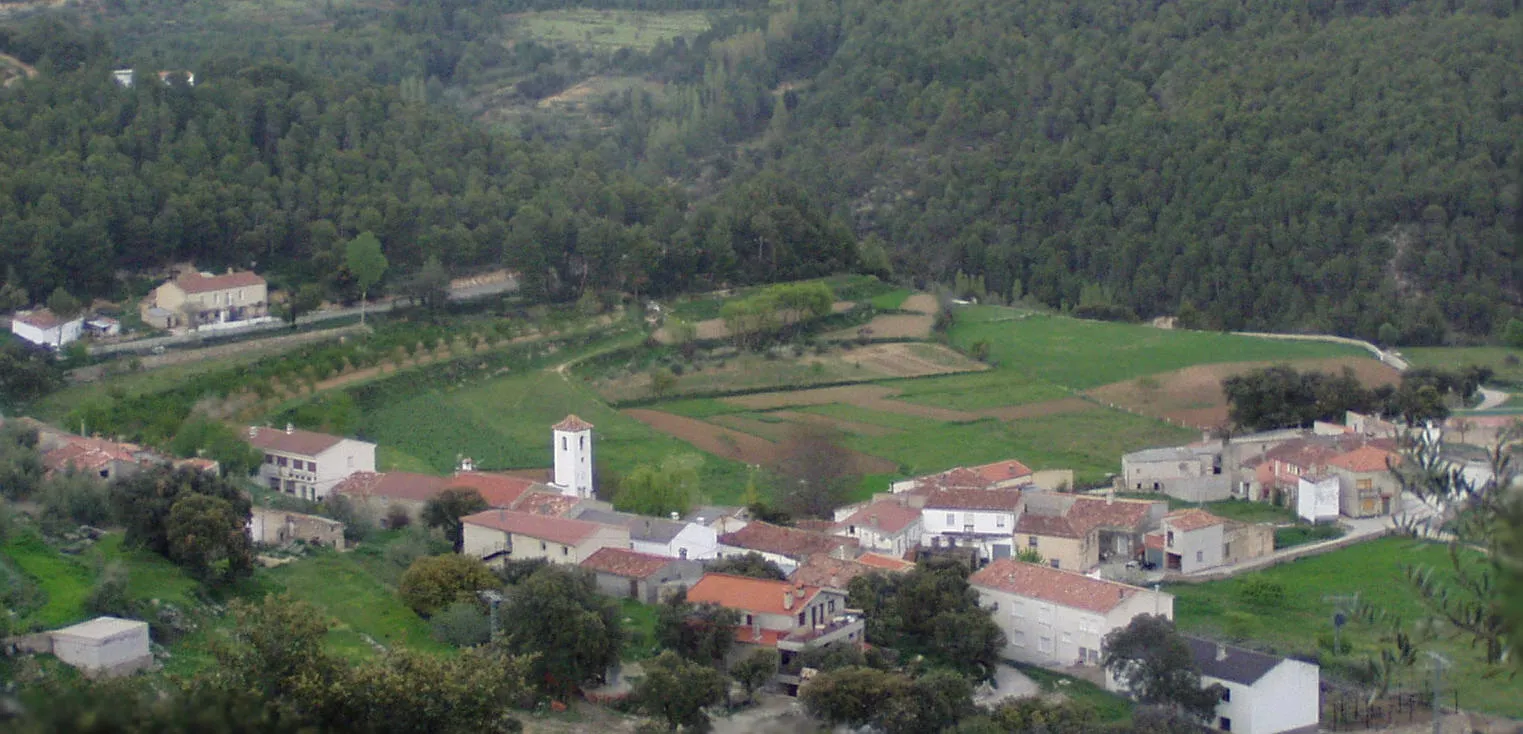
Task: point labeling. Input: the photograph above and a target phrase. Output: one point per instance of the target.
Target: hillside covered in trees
(1328, 165)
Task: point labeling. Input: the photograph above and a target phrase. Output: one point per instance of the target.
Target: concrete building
(780, 614)
(46, 329)
(786, 547)
(306, 463)
(669, 538)
(1366, 486)
(1193, 473)
(1079, 532)
(1318, 498)
(1055, 617)
(104, 646)
(1266, 694)
(623, 573)
(277, 527)
(1194, 540)
(195, 300)
(891, 526)
(977, 518)
(521, 536)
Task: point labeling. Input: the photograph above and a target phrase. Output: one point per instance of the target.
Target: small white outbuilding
(104, 646)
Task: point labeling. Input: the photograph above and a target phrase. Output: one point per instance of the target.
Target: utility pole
(1439, 663)
(1345, 606)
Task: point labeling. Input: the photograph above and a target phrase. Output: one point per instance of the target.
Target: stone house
(196, 299)
(277, 527)
(786, 547)
(891, 526)
(1079, 532)
(1366, 486)
(624, 573)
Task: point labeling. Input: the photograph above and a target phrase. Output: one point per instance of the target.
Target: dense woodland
(1337, 166)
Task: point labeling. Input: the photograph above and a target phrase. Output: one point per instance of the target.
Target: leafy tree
(853, 696)
(1512, 334)
(430, 287)
(814, 471)
(209, 539)
(702, 633)
(307, 298)
(461, 624)
(755, 670)
(26, 374)
(63, 305)
(751, 564)
(365, 261)
(432, 583)
(1033, 715)
(73, 498)
(930, 611)
(199, 436)
(662, 381)
(678, 690)
(109, 595)
(573, 632)
(445, 509)
(144, 502)
(671, 486)
(1148, 658)
(21, 468)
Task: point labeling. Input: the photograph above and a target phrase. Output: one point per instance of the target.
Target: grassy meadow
(1301, 623)
(610, 30)
(1509, 372)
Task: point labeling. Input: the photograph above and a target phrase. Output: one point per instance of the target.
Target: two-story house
(1192, 540)
(1078, 532)
(195, 300)
(1192, 473)
(1265, 694)
(891, 526)
(45, 328)
(1051, 616)
(306, 463)
(1366, 486)
(780, 614)
(509, 535)
(786, 547)
(670, 538)
(978, 518)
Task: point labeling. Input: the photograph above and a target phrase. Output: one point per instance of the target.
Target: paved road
(1492, 399)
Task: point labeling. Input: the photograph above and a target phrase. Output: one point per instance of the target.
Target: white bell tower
(572, 446)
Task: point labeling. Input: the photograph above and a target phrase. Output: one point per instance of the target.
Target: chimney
(253, 431)
(290, 428)
(798, 592)
(835, 581)
(787, 600)
(229, 270)
(1221, 652)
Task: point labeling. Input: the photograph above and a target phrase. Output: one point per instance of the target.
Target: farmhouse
(308, 464)
(787, 547)
(623, 573)
(1050, 616)
(670, 538)
(977, 518)
(277, 527)
(1266, 694)
(892, 526)
(1193, 540)
(104, 646)
(1193, 473)
(46, 329)
(1366, 487)
(780, 614)
(107, 460)
(503, 535)
(196, 300)
(1079, 532)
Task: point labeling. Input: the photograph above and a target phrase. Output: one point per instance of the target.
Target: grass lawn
(505, 424)
(977, 390)
(890, 300)
(1457, 357)
(1084, 354)
(1303, 534)
(639, 630)
(1294, 626)
(1108, 707)
(64, 580)
(360, 604)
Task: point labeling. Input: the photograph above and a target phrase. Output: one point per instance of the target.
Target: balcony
(838, 629)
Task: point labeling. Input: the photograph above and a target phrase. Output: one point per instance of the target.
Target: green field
(610, 30)
(1457, 357)
(1373, 571)
(361, 606)
(64, 581)
(1083, 354)
(977, 391)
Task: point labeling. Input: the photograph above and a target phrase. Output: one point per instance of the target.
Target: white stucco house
(670, 538)
(888, 525)
(1317, 498)
(981, 518)
(1266, 694)
(104, 646)
(46, 329)
(1052, 616)
(306, 463)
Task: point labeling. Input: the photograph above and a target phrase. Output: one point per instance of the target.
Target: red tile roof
(549, 504)
(89, 454)
(194, 282)
(392, 485)
(888, 516)
(41, 318)
(499, 490)
(291, 440)
(1088, 513)
(1032, 523)
(572, 424)
(1192, 519)
(887, 563)
(1065, 588)
(1003, 471)
(762, 596)
(792, 542)
(827, 572)
(554, 529)
(1153, 540)
(625, 562)
(1363, 459)
(974, 499)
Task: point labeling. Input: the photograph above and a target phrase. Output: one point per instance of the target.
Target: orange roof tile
(974, 499)
(1002, 471)
(1088, 513)
(41, 318)
(194, 282)
(542, 527)
(762, 596)
(545, 503)
(499, 490)
(392, 485)
(792, 542)
(291, 441)
(1192, 519)
(887, 563)
(887, 515)
(625, 562)
(572, 424)
(827, 572)
(1065, 588)
(1363, 459)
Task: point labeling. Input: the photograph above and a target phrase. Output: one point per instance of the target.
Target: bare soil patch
(772, 431)
(910, 360)
(889, 326)
(1037, 410)
(715, 328)
(921, 303)
(870, 397)
(733, 444)
(1193, 396)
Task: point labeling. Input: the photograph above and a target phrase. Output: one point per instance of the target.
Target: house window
(564, 445)
(951, 519)
(1365, 484)
(1019, 639)
(542, 545)
(1045, 644)
(999, 521)
(281, 461)
(312, 467)
(565, 551)
(1054, 562)
(750, 620)
(801, 619)
(1200, 556)
(1031, 542)
(269, 459)
(581, 442)
(1226, 724)
(682, 553)
(1226, 693)
(851, 529)
(831, 606)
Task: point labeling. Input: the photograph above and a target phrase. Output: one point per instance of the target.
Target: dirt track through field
(889, 326)
(921, 303)
(1193, 396)
(733, 444)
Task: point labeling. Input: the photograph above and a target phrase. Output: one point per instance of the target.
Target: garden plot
(737, 445)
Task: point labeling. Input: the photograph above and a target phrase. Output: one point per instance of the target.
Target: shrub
(461, 624)
(434, 582)
(1261, 592)
(109, 595)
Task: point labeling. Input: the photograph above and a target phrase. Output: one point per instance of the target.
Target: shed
(104, 646)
